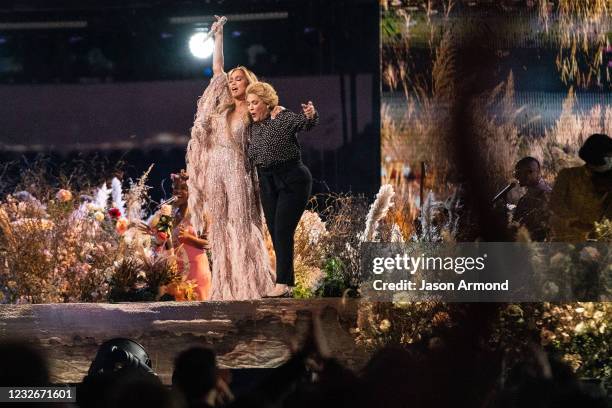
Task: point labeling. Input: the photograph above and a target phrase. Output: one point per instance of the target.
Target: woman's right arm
(305, 120)
(217, 29)
(217, 92)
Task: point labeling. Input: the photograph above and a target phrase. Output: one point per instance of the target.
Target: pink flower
(122, 225)
(63, 195)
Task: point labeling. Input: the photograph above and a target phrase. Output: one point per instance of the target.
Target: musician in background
(532, 209)
(583, 195)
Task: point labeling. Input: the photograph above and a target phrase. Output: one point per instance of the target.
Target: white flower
(99, 216)
(311, 222)
(378, 211)
(580, 328)
(166, 210)
(385, 325)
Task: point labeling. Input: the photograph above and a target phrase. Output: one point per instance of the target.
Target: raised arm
(217, 29)
(306, 123)
(310, 114)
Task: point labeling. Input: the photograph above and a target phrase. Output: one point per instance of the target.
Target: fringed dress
(222, 182)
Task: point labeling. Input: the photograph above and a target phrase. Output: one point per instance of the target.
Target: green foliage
(300, 292)
(334, 283)
(390, 27)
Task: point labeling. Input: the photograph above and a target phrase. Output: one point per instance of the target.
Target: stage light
(201, 47)
(120, 353)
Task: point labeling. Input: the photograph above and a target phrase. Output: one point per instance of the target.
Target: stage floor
(249, 334)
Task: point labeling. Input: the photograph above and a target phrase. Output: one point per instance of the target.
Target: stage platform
(249, 334)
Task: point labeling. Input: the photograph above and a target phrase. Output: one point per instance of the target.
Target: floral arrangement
(75, 247)
(578, 333)
(308, 255)
(327, 252)
(162, 223)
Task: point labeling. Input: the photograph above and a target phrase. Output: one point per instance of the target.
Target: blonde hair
(251, 79)
(265, 91)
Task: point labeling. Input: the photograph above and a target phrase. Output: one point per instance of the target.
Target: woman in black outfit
(284, 181)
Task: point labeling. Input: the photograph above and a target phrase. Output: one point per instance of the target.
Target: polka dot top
(274, 141)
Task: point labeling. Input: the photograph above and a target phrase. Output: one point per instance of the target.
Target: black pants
(285, 191)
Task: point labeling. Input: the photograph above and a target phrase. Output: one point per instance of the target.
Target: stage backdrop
(153, 115)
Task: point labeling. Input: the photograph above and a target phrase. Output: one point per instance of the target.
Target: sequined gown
(222, 182)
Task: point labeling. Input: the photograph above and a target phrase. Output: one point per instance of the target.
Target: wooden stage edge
(244, 334)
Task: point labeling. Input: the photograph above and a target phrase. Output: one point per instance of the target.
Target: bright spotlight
(200, 46)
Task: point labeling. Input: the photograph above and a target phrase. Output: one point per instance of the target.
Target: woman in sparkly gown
(222, 183)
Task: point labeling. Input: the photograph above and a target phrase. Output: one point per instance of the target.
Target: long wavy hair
(251, 79)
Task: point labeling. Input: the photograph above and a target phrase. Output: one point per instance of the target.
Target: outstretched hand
(309, 110)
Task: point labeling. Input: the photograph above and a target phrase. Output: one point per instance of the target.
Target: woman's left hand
(309, 110)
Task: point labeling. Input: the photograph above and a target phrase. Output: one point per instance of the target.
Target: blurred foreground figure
(582, 195)
(121, 376)
(197, 377)
(24, 365)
